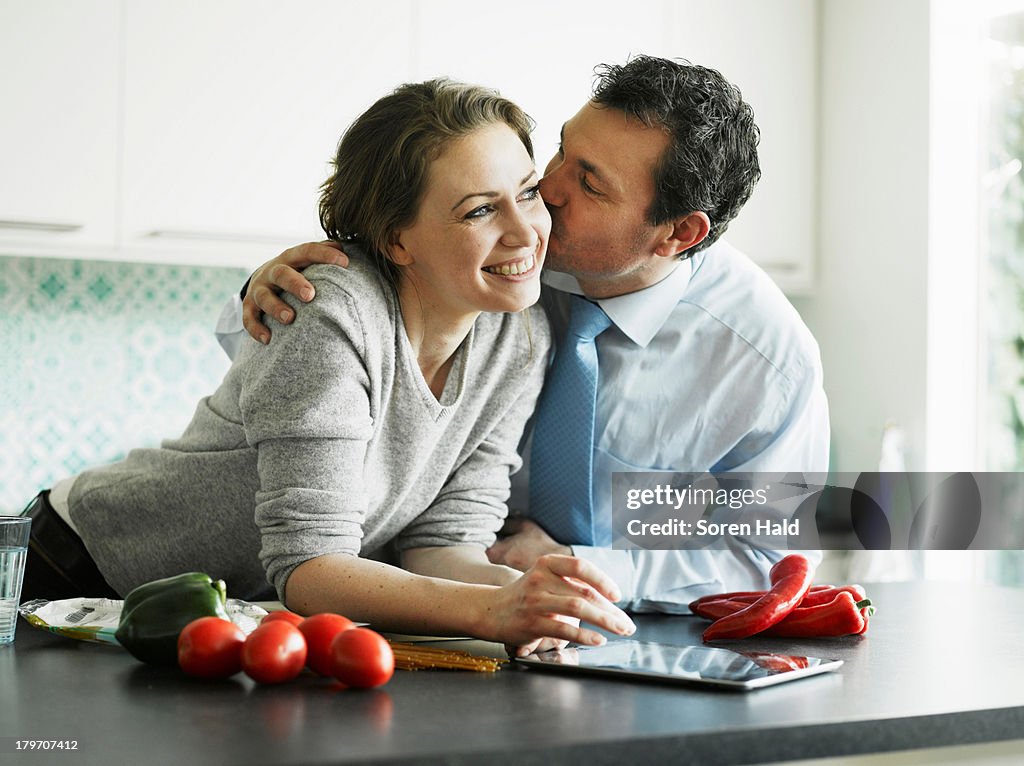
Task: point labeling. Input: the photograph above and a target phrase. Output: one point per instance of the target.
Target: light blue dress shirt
(710, 370)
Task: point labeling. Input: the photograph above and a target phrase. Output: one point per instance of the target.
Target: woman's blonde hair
(380, 169)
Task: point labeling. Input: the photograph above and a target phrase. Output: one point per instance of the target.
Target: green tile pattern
(99, 358)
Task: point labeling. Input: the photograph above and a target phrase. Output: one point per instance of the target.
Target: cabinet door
(58, 136)
(233, 110)
(769, 50)
(538, 53)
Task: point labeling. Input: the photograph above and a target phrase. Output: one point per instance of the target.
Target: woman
(383, 423)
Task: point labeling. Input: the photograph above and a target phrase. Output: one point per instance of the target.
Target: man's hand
(525, 543)
(282, 273)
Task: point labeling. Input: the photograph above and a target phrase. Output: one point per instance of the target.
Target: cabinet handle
(54, 226)
(216, 236)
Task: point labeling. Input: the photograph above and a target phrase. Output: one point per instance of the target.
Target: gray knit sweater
(326, 441)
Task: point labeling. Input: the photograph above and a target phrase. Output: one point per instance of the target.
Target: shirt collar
(641, 314)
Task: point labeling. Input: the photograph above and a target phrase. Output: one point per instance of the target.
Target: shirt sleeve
(666, 581)
(229, 330)
(306, 409)
(794, 436)
(473, 504)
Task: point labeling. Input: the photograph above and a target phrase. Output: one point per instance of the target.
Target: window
(1002, 232)
(1002, 236)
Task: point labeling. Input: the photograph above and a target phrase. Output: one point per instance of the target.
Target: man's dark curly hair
(711, 164)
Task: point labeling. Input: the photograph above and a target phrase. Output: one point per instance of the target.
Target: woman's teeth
(512, 269)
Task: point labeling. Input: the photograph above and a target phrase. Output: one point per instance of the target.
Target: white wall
(869, 311)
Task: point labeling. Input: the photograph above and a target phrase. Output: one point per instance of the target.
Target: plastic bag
(96, 619)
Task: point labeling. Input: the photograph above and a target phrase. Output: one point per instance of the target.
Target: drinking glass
(13, 550)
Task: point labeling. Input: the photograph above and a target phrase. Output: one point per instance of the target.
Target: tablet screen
(684, 664)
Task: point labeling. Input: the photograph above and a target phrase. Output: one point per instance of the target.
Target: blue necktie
(562, 459)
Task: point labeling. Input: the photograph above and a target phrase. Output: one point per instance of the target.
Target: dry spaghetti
(419, 657)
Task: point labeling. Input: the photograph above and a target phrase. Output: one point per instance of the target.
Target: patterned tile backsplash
(99, 358)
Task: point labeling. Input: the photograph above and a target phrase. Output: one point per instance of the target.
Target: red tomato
(210, 647)
(274, 652)
(319, 631)
(362, 658)
(285, 615)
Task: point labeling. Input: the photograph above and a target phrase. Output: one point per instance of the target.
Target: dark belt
(59, 565)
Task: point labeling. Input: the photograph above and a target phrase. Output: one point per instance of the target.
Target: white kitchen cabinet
(200, 132)
(541, 55)
(59, 132)
(233, 110)
(770, 50)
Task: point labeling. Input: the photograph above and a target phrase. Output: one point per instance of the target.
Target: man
(704, 365)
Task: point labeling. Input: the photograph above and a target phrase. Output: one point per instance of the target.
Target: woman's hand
(544, 607)
(282, 274)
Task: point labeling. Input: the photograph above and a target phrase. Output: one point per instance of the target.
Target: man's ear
(686, 232)
(397, 253)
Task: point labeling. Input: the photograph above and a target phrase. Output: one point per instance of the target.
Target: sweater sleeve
(306, 409)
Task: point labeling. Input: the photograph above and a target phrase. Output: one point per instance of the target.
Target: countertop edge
(727, 747)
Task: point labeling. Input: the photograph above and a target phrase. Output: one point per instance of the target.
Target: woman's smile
(515, 270)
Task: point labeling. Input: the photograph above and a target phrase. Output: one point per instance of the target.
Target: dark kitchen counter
(941, 665)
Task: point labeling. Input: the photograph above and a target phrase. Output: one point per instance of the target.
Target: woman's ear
(686, 232)
(397, 253)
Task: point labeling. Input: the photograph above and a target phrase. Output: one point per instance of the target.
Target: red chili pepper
(843, 616)
(817, 598)
(750, 596)
(840, 617)
(716, 610)
(818, 594)
(790, 579)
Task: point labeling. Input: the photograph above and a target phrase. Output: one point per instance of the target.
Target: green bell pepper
(154, 614)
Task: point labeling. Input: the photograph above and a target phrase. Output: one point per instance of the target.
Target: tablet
(649, 661)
